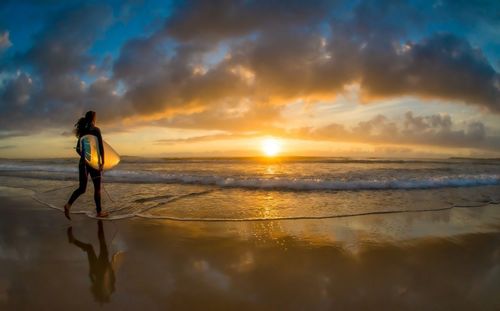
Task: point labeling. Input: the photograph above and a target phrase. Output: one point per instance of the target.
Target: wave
(298, 184)
(368, 182)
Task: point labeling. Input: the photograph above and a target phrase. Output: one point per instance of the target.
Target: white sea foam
(369, 181)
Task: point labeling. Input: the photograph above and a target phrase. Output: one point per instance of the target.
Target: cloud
(442, 66)
(61, 48)
(277, 59)
(233, 65)
(432, 130)
(48, 89)
(14, 101)
(222, 19)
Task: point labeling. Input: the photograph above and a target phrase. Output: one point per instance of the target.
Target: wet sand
(446, 260)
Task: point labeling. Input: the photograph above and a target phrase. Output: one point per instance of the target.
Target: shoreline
(158, 264)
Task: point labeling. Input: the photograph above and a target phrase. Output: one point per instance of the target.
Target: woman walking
(86, 126)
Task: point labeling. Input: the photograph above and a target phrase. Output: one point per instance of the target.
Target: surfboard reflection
(101, 269)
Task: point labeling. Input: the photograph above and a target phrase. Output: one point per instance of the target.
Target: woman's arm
(78, 149)
(101, 146)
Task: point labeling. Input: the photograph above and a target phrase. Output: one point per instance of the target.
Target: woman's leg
(96, 179)
(83, 184)
(82, 172)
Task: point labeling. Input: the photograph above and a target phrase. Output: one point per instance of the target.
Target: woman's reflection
(101, 270)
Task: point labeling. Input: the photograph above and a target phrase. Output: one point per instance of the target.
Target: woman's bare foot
(66, 210)
(102, 214)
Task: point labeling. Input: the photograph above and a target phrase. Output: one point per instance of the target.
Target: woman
(86, 126)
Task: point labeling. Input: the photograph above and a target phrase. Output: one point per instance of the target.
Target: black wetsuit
(85, 169)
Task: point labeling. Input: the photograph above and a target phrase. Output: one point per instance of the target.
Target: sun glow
(271, 147)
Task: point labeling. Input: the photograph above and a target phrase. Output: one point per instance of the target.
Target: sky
(221, 78)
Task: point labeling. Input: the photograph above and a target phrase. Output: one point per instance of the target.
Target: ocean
(258, 189)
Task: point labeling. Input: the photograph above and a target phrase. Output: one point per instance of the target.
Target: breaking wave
(308, 184)
(368, 182)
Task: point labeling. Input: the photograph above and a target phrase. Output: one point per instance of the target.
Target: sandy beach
(367, 262)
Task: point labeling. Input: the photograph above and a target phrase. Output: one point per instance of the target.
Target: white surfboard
(90, 146)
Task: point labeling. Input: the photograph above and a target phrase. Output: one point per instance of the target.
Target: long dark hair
(84, 123)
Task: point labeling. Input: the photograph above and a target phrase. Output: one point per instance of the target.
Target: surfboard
(90, 146)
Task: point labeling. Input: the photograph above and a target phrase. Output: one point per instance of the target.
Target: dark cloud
(443, 66)
(51, 90)
(62, 47)
(432, 130)
(268, 53)
(15, 102)
(158, 83)
(222, 19)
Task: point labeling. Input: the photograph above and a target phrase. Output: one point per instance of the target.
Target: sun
(271, 147)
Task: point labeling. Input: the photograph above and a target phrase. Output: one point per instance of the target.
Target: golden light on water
(271, 147)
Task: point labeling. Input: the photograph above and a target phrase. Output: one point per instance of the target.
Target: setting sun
(271, 147)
